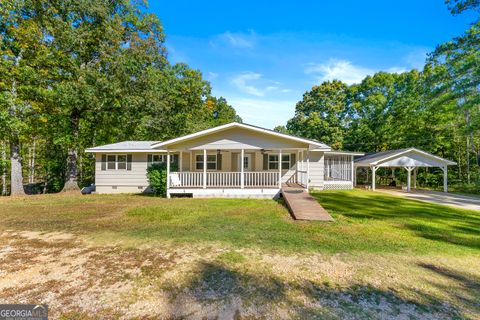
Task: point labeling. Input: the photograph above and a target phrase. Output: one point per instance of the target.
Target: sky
(263, 55)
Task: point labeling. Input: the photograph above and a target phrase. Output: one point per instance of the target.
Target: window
(117, 162)
(211, 162)
(111, 162)
(122, 162)
(161, 158)
(273, 161)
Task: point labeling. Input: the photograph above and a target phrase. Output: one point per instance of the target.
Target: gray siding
(133, 179)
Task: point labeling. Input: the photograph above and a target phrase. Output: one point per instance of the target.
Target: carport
(410, 159)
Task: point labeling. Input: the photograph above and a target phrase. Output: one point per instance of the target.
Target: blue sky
(263, 55)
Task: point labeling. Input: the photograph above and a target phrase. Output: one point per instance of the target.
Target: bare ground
(80, 279)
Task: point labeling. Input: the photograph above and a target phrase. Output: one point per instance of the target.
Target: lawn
(129, 255)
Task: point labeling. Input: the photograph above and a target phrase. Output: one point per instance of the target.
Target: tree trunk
(16, 174)
(4, 170)
(16, 184)
(72, 158)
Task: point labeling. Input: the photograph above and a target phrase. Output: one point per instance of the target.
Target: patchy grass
(383, 223)
(127, 256)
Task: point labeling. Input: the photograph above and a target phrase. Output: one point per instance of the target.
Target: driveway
(448, 199)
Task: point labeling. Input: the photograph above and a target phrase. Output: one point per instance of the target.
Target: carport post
(415, 178)
(374, 169)
(445, 179)
(409, 177)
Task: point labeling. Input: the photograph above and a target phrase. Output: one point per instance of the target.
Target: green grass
(364, 222)
(382, 257)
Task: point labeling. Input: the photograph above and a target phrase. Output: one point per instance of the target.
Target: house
(231, 160)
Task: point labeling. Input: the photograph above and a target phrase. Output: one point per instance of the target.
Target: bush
(157, 177)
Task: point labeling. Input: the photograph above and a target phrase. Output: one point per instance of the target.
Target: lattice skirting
(337, 185)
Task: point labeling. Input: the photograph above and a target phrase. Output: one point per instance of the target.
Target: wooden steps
(302, 205)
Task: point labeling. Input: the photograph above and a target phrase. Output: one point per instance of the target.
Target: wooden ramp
(302, 205)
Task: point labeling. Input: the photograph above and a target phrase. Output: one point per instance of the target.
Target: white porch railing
(263, 179)
(302, 177)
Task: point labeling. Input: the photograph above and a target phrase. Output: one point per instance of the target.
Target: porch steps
(302, 205)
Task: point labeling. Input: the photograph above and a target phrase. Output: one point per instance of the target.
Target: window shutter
(293, 160)
(104, 162)
(265, 162)
(149, 159)
(129, 162)
(219, 161)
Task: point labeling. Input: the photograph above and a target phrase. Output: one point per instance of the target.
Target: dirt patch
(81, 280)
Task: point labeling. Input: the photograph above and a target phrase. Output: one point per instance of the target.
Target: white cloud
(238, 40)
(241, 82)
(338, 69)
(253, 84)
(212, 76)
(344, 71)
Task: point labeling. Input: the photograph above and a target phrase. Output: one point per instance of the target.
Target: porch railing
(264, 179)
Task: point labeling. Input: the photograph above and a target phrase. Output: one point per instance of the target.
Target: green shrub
(157, 177)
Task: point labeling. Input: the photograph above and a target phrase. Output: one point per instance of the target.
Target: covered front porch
(236, 172)
(238, 160)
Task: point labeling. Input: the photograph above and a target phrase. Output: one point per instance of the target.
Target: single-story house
(231, 160)
(242, 160)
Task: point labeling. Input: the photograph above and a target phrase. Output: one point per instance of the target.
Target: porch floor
(302, 205)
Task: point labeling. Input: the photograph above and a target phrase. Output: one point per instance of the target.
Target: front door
(247, 162)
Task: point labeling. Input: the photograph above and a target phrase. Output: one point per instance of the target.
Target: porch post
(415, 178)
(180, 160)
(280, 168)
(204, 168)
(409, 177)
(445, 179)
(308, 169)
(352, 173)
(297, 167)
(168, 174)
(374, 169)
(242, 176)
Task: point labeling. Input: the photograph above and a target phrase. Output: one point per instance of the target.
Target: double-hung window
(117, 162)
(161, 158)
(211, 162)
(273, 162)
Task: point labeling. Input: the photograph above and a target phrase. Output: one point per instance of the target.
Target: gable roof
(131, 146)
(380, 157)
(315, 144)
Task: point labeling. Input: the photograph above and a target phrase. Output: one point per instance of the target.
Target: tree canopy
(80, 73)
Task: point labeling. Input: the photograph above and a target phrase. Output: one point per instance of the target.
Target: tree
(101, 49)
(459, 6)
(321, 114)
(454, 79)
(23, 64)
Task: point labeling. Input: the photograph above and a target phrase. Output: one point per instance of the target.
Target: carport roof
(421, 158)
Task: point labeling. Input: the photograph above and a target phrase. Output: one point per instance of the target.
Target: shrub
(157, 177)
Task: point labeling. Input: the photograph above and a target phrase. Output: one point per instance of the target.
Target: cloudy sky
(263, 55)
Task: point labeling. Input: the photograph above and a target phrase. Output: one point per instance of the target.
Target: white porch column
(374, 170)
(180, 161)
(204, 168)
(297, 167)
(168, 174)
(242, 173)
(280, 168)
(445, 179)
(308, 170)
(352, 171)
(409, 177)
(415, 178)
